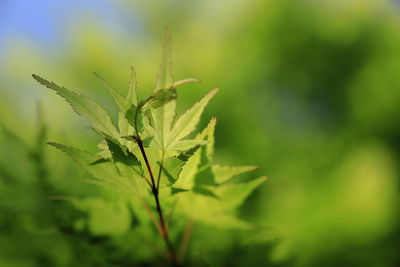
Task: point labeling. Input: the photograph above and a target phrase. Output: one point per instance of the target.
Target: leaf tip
(56, 145)
(185, 81)
(99, 77)
(37, 77)
(213, 92)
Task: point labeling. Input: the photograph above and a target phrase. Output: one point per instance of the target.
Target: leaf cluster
(187, 179)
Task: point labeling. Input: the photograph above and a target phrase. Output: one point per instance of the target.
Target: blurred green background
(310, 91)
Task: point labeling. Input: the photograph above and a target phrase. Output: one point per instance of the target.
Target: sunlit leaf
(118, 98)
(84, 106)
(188, 121)
(132, 97)
(225, 173)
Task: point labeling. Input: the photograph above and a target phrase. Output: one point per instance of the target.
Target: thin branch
(150, 213)
(164, 230)
(140, 144)
(185, 240)
(148, 182)
(154, 188)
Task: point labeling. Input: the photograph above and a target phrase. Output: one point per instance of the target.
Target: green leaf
(84, 106)
(187, 176)
(190, 183)
(171, 169)
(160, 110)
(104, 151)
(162, 105)
(123, 104)
(187, 144)
(233, 195)
(211, 198)
(132, 97)
(14, 149)
(188, 121)
(225, 173)
(128, 166)
(105, 217)
(158, 99)
(164, 77)
(162, 119)
(125, 128)
(209, 210)
(195, 168)
(205, 176)
(171, 139)
(104, 170)
(218, 211)
(131, 116)
(208, 134)
(119, 154)
(118, 98)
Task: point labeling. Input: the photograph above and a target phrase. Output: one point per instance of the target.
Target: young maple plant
(151, 160)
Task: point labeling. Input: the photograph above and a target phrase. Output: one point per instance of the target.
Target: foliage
(311, 93)
(149, 137)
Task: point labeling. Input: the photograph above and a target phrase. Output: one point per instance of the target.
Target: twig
(153, 219)
(164, 230)
(185, 240)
